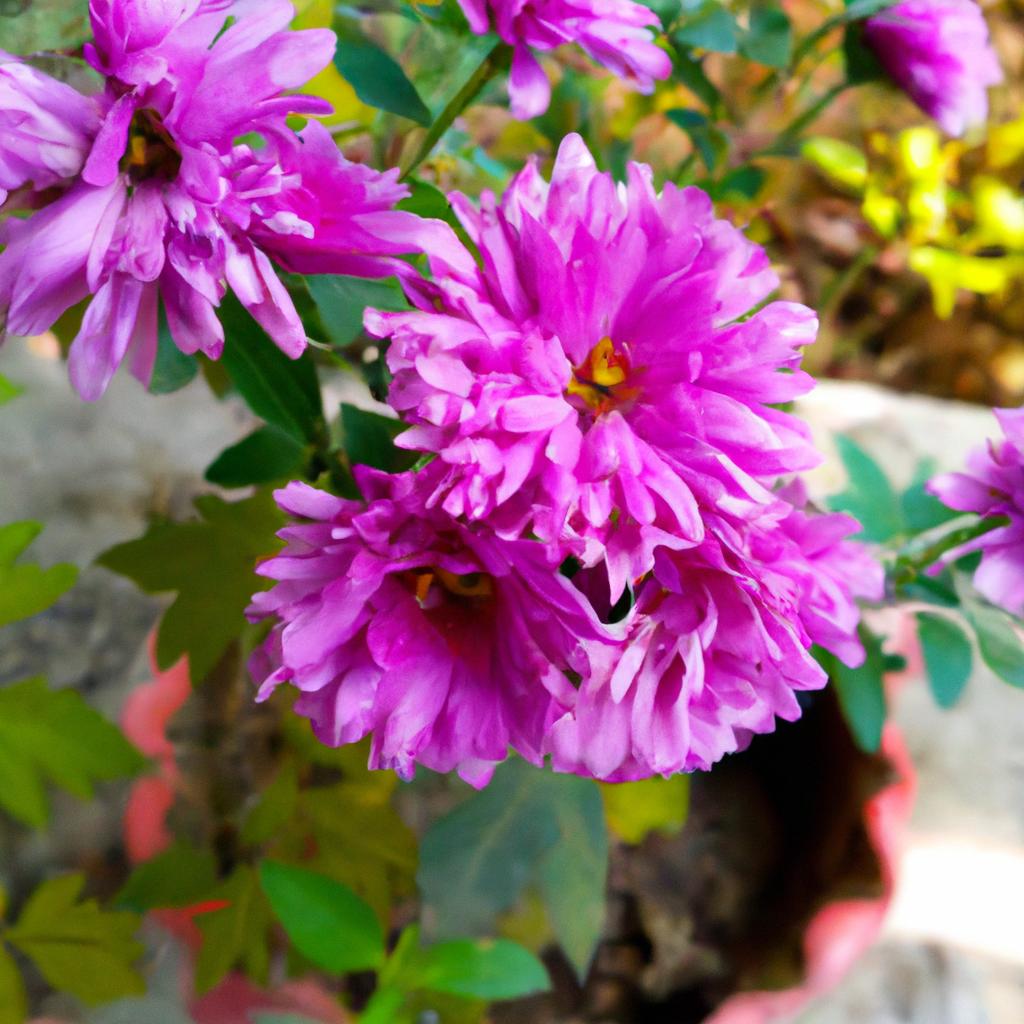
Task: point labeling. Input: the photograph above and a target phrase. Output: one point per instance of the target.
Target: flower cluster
(993, 487)
(939, 53)
(597, 564)
(181, 179)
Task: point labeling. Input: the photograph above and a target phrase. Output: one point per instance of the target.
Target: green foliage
(265, 455)
(9, 390)
(209, 563)
(709, 26)
(635, 809)
(78, 947)
(178, 877)
(25, 589)
(861, 691)
(54, 736)
(769, 37)
(236, 933)
(708, 140)
(1000, 637)
(369, 440)
(376, 77)
(528, 825)
(13, 998)
(870, 497)
(172, 369)
(326, 921)
(842, 163)
(340, 301)
(284, 392)
(947, 657)
(35, 25)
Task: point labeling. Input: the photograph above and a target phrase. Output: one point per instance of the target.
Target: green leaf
(635, 809)
(843, 164)
(282, 391)
(709, 141)
(712, 27)
(266, 455)
(78, 947)
(326, 921)
(482, 969)
(744, 181)
(947, 657)
(13, 998)
(179, 877)
(690, 71)
(173, 369)
(921, 510)
(8, 390)
(869, 496)
(376, 77)
(340, 300)
(1000, 639)
(862, 66)
(54, 736)
(275, 807)
(769, 39)
(369, 440)
(209, 562)
(527, 826)
(237, 934)
(426, 200)
(861, 692)
(26, 590)
(30, 26)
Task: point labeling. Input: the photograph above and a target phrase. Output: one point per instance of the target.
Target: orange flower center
(601, 381)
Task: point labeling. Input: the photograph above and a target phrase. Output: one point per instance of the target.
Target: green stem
(791, 133)
(496, 60)
(914, 559)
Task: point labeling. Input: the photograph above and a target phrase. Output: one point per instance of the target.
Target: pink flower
(719, 646)
(600, 379)
(446, 643)
(939, 53)
(170, 207)
(994, 487)
(615, 33)
(46, 127)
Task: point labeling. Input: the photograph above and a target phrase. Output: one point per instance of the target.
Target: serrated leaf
(712, 27)
(179, 877)
(377, 77)
(236, 934)
(861, 691)
(54, 736)
(78, 947)
(266, 455)
(947, 657)
(32, 26)
(210, 563)
(326, 920)
(527, 825)
(869, 496)
(26, 589)
(13, 998)
(369, 440)
(341, 300)
(635, 809)
(769, 37)
(282, 391)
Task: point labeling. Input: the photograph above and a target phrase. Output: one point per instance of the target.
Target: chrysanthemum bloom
(719, 646)
(46, 128)
(939, 53)
(595, 381)
(447, 644)
(171, 206)
(615, 33)
(993, 486)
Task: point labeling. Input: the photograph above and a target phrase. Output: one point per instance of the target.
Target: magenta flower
(615, 33)
(592, 382)
(939, 53)
(447, 644)
(993, 486)
(719, 646)
(171, 206)
(46, 127)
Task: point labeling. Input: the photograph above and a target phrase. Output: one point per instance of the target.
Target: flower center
(471, 585)
(600, 382)
(152, 152)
